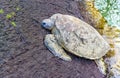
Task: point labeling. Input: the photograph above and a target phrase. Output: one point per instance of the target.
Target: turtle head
(48, 24)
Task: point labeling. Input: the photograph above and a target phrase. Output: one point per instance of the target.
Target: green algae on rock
(1, 11)
(110, 9)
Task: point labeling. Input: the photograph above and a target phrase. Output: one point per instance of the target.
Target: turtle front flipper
(55, 48)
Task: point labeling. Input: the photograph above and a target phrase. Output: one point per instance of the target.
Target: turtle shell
(79, 38)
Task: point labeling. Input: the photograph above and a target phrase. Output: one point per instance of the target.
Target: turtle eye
(43, 24)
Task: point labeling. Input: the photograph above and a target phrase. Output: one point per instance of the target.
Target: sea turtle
(75, 36)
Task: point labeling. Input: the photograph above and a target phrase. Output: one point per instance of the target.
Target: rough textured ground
(22, 52)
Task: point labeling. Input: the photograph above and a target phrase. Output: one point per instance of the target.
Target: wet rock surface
(22, 52)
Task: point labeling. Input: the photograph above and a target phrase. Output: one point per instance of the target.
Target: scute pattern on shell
(79, 37)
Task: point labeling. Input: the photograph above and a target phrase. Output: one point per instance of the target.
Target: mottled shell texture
(78, 37)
